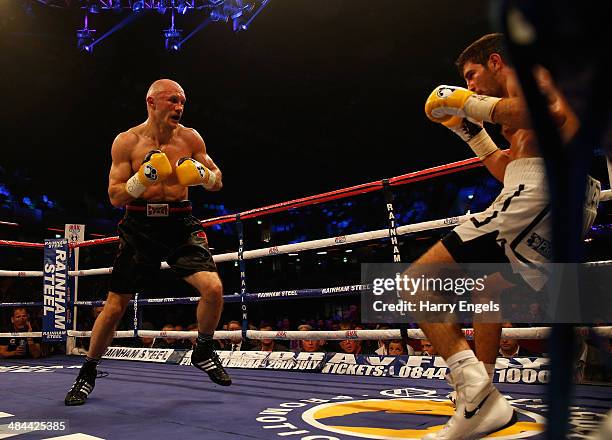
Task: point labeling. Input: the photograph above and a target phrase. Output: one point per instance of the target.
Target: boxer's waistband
(158, 209)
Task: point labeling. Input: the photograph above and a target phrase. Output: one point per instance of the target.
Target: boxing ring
(159, 401)
(155, 393)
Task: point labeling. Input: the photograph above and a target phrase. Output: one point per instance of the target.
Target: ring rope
(415, 176)
(294, 247)
(366, 335)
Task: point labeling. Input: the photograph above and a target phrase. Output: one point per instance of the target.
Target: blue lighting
(182, 7)
(138, 6)
(85, 39)
(116, 5)
(4, 190)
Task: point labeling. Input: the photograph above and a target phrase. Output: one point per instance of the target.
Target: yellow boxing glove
(154, 169)
(190, 172)
(448, 101)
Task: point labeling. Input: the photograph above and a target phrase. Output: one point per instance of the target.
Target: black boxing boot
(204, 358)
(84, 384)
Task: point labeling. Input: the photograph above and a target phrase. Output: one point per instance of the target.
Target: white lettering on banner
(141, 354)
(342, 358)
(418, 361)
(380, 360)
(60, 290)
(277, 294)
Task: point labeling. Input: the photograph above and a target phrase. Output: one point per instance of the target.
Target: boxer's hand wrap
(474, 134)
(190, 172)
(155, 168)
(448, 101)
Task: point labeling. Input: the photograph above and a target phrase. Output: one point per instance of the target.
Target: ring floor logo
(402, 413)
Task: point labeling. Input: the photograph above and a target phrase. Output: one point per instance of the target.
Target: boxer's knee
(115, 306)
(208, 285)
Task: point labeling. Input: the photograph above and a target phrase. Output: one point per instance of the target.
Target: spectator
(309, 345)
(269, 344)
(181, 343)
(20, 347)
(350, 346)
(145, 341)
(427, 348)
(592, 363)
(397, 348)
(167, 342)
(509, 348)
(236, 343)
(382, 345)
(192, 341)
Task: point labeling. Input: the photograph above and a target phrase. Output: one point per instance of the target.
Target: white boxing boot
(481, 409)
(452, 396)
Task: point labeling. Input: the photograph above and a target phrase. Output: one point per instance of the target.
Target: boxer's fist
(155, 168)
(190, 172)
(448, 101)
(473, 134)
(463, 127)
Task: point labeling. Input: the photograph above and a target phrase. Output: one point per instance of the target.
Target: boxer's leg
(208, 313)
(101, 337)
(481, 409)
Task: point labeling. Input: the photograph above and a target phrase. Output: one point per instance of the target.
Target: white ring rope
(303, 246)
(368, 335)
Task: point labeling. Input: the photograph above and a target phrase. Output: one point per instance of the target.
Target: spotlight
(85, 39)
(173, 39)
(182, 7)
(94, 8)
(138, 6)
(161, 7)
(240, 25)
(217, 14)
(116, 5)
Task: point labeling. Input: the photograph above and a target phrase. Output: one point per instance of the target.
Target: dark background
(315, 96)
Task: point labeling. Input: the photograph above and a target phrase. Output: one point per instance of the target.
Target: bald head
(164, 85)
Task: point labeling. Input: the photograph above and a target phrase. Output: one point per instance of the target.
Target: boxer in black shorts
(153, 164)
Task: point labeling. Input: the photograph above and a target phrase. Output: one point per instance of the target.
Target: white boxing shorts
(516, 228)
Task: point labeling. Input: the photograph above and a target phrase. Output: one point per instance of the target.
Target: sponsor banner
(515, 370)
(35, 368)
(158, 355)
(55, 287)
(277, 360)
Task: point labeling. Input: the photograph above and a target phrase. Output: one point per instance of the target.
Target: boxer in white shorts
(514, 229)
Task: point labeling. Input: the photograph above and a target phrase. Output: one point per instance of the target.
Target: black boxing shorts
(150, 233)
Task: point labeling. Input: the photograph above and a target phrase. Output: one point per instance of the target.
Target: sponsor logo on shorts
(539, 244)
(158, 210)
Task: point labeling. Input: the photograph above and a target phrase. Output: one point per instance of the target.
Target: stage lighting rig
(173, 36)
(86, 37)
